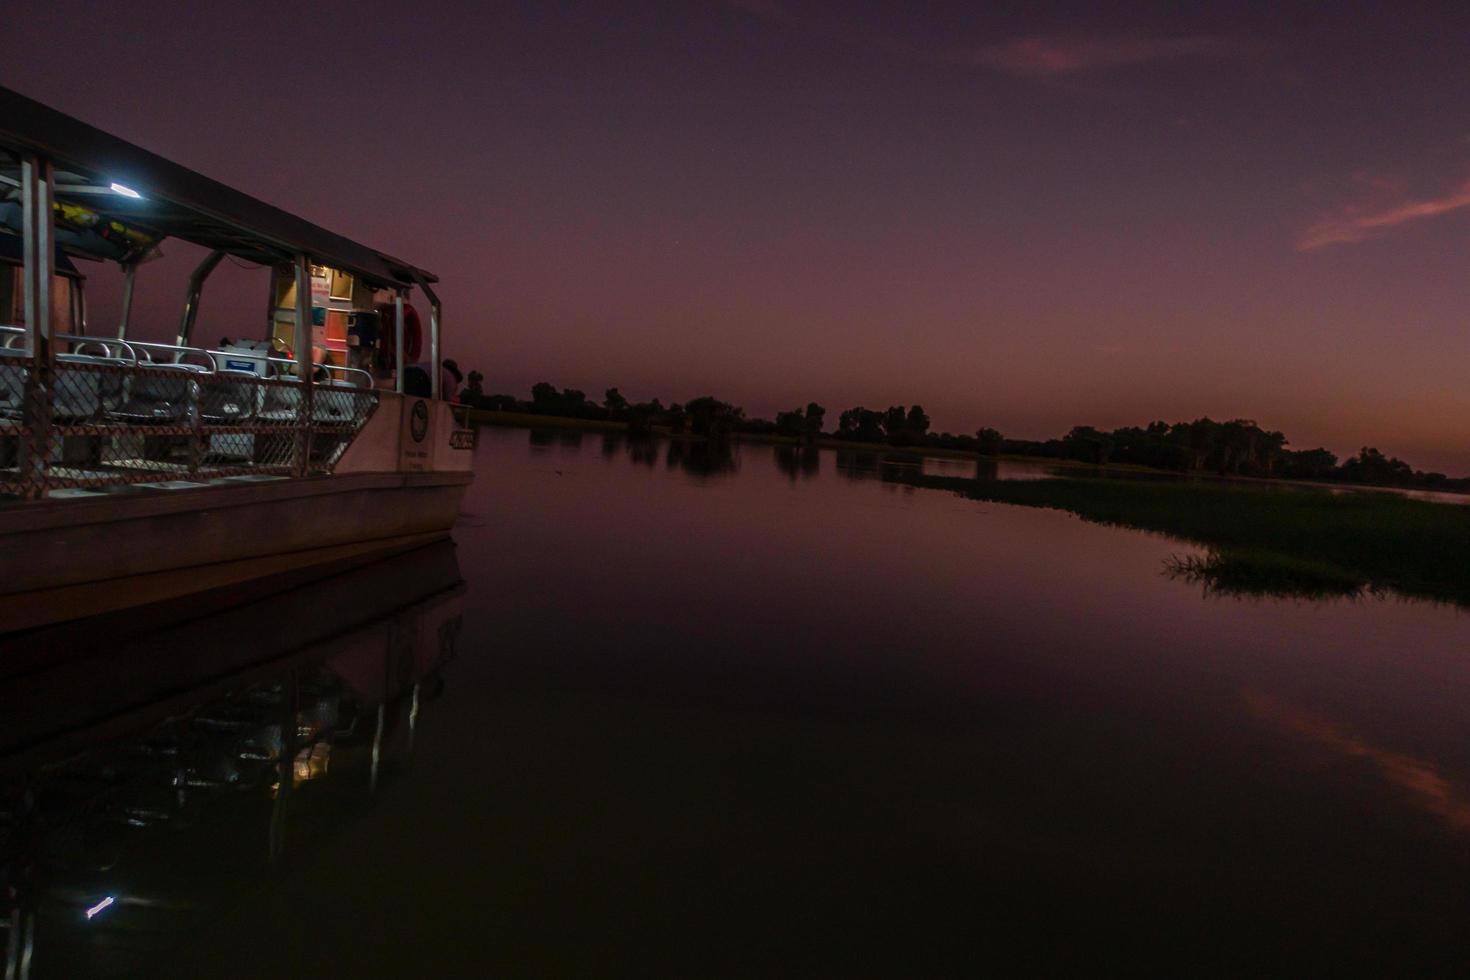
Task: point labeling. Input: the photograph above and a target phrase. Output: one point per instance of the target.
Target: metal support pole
(435, 371)
(130, 273)
(194, 417)
(79, 292)
(196, 290)
(271, 305)
(398, 341)
(37, 194)
(303, 360)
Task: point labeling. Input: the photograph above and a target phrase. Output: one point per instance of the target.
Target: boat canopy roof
(105, 179)
(12, 252)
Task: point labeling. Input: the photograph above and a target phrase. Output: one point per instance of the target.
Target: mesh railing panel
(105, 422)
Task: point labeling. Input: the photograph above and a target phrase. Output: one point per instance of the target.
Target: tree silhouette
(1371, 466)
(988, 441)
(1238, 447)
(708, 416)
(545, 399)
(860, 425)
(1308, 464)
(474, 390)
(815, 414)
(1088, 444)
(917, 423)
(895, 423)
(791, 423)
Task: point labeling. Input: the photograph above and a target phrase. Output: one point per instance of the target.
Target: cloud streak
(1419, 781)
(1053, 57)
(1358, 223)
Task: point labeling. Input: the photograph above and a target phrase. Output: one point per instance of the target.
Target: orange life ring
(413, 335)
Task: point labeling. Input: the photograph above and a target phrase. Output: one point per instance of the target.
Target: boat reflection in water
(147, 783)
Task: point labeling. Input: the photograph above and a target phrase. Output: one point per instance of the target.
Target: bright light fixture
(124, 190)
(102, 904)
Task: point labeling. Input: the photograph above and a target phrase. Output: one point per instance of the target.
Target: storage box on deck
(243, 357)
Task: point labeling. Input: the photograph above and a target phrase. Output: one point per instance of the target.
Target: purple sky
(1019, 218)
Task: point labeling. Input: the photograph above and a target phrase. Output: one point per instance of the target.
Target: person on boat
(449, 380)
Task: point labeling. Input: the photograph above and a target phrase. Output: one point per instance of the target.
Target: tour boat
(137, 471)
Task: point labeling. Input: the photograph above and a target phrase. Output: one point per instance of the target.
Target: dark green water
(764, 714)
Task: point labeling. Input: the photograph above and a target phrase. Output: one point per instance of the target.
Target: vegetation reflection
(1261, 539)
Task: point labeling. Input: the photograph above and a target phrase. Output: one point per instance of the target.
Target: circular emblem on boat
(418, 423)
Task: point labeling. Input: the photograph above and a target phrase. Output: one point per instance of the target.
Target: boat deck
(126, 412)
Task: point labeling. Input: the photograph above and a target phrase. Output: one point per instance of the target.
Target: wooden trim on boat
(42, 607)
(64, 559)
(53, 512)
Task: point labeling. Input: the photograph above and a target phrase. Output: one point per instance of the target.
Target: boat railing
(176, 354)
(115, 412)
(333, 373)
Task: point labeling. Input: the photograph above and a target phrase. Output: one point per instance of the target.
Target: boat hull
(72, 684)
(66, 559)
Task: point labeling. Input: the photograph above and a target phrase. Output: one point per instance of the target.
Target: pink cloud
(1048, 57)
(1418, 780)
(1356, 223)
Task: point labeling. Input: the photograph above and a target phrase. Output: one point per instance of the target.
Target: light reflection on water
(752, 710)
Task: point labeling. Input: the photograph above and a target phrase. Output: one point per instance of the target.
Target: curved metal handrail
(80, 341)
(346, 371)
(328, 368)
(179, 353)
(130, 347)
(14, 333)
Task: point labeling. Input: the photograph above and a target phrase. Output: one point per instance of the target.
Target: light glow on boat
(124, 190)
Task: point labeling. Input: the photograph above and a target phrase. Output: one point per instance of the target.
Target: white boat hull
(67, 558)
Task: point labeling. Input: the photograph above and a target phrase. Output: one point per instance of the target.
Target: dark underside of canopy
(172, 201)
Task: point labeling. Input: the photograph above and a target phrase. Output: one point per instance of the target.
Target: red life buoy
(413, 337)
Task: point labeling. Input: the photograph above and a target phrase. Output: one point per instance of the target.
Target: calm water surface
(764, 714)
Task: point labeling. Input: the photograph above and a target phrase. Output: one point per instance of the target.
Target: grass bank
(1268, 540)
(1264, 537)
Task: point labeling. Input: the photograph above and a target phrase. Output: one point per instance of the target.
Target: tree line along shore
(1238, 447)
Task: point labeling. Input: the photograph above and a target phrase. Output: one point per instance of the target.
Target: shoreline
(526, 420)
